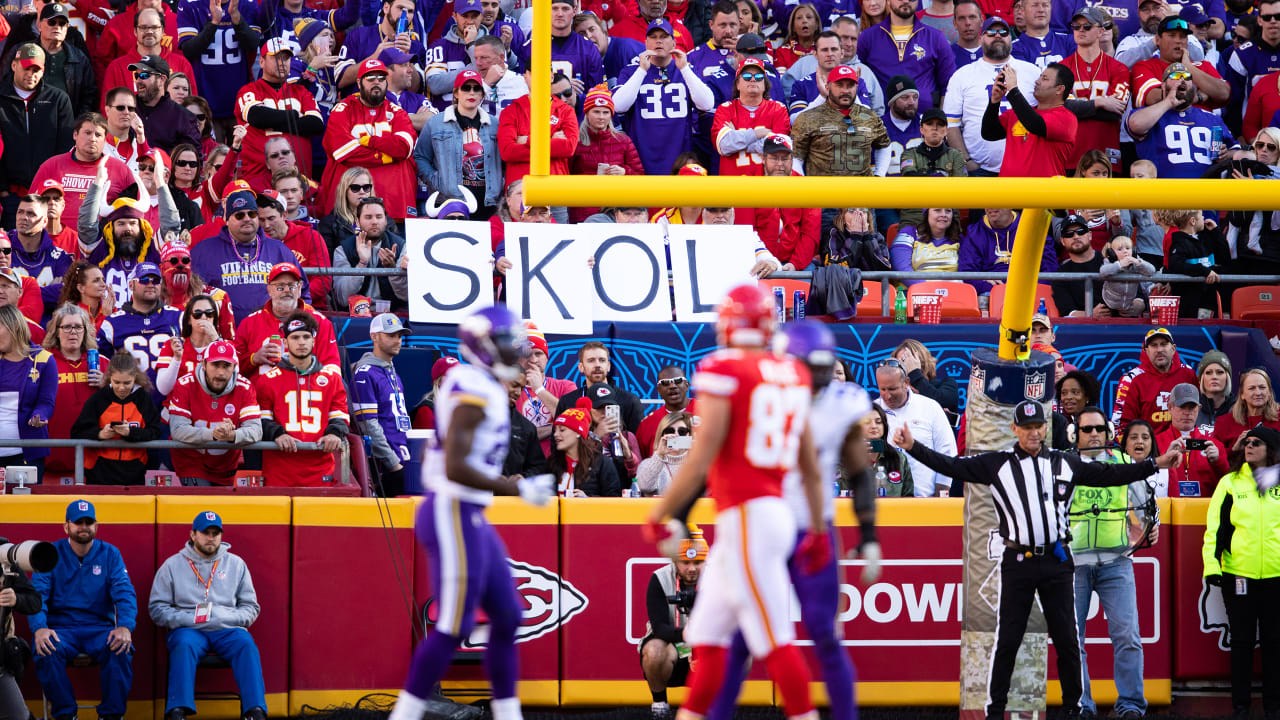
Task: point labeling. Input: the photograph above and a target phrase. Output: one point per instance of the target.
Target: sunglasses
(148, 280)
(6, 250)
(890, 363)
(474, 88)
(198, 314)
(186, 163)
(681, 431)
(1272, 17)
(754, 76)
(1179, 75)
(146, 168)
(1083, 27)
(1077, 233)
(357, 188)
(1253, 442)
(124, 108)
(280, 154)
(1090, 429)
(997, 33)
(242, 214)
(671, 382)
(143, 75)
(181, 260)
(564, 95)
(1265, 146)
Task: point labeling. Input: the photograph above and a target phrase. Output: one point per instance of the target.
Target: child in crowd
(1148, 236)
(1121, 296)
(123, 410)
(1194, 250)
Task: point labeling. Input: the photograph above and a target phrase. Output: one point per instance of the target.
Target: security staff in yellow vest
(664, 656)
(1102, 520)
(1242, 555)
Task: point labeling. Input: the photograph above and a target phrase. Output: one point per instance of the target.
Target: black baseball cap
(53, 10)
(154, 63)
(1028, 412)
(602, 395)
(933, 114)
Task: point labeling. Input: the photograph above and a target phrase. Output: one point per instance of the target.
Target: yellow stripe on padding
(52, 509)
(242, 510)
(353, 512)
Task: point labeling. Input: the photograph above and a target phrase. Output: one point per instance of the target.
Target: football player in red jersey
(754, 406)
(301, 400)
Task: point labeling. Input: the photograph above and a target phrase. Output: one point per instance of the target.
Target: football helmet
(747, 318)
(493, 338)
(812, 343)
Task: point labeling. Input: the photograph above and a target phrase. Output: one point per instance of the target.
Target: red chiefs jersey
(379, 139)
(263, 323)
(1103, 77)
(193, 402)
(1148, 75)
(733, 115)
(290, 96)
(304, 405)
(770, 403)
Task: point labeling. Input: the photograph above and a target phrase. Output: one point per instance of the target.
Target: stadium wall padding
(344, 591)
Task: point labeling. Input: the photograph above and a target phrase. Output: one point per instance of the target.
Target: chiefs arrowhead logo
(549, 601)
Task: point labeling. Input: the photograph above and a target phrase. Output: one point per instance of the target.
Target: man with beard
(373, 246)
(807, 69)
(806, 90)
(902, 123)
(377, 401)
(924, 54)
(1145, 391)
(239, 259)
(75, 170)
(254, 345)
(179, 285)
(1171, 40)
(34, 253)
(1039, 138)
(593, 363)
(1136, 43)
(301, 238)
(1076, 239)
(143, 325)
(150, 43)
(969, 93)
(673, 388)
(123, 237)
(1160, 129)
(274, 108)
(790, 234)
(89, 607)
(367, 131)
(213, 404)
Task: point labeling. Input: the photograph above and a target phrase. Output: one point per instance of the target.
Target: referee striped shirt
(1032, 494)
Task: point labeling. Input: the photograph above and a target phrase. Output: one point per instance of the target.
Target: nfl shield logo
(210, 516)
(97, 569)
(1034, 386)
(83, 506)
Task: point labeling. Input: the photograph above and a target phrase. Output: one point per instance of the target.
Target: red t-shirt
(193, 402)
(769, 397)
(1027, 155)
(304, 405)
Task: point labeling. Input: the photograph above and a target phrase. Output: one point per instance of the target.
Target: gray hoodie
(176, 592)
(183, 430)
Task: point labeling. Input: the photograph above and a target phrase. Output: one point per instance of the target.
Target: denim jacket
(439, 154)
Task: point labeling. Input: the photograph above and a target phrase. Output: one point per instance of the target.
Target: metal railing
(79, 446)
(887, 289)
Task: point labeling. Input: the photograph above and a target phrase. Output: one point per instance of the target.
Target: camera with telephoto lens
(683, 600)
(27, 556)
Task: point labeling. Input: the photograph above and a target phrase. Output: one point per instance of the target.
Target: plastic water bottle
(835, 488)
(1041, 309)
(635, 489)
(900, 307)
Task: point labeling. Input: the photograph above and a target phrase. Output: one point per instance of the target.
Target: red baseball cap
(692, 169)
(372, 66)
(842, 72)
(466, 75)
(220, 351)
(50, 184)
(751, 62)
(442, 366)
(281, 268)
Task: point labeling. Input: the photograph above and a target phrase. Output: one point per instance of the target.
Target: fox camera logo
(548, 600)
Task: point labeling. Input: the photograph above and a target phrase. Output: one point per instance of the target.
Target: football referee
(1031, 486)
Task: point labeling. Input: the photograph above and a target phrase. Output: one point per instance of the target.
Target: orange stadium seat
(958, 299)
(1255, 302)
(869, 305)
(1043, 292)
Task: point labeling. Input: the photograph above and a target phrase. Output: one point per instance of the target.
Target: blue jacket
(438, 155)
(94, 592)
(36, 396)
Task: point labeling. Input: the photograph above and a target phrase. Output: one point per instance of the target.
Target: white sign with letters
(630, 274)
(707, 261)
(550, 281)
(451, 269)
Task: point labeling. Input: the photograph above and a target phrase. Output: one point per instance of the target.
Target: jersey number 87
(773, 435)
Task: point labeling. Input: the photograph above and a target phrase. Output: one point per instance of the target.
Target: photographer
(1205, 459)
(17, 595)
(664, 656)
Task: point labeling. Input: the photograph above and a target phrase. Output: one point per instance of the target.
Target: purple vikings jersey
(445, 58)
(1051, 48)
(661, 123)
(1181, 143)
(143, 336)
(224, 67)
(116, 272)
(706, 60)
(338, 20)
(376, 394)
(619, 54)
(469, 385)
(362, 41)
(900, 140)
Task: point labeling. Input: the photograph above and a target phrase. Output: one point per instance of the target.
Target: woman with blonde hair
(656, 471)
(32, 378)
(1255, 405)
(354, 185)
(69, 339)
(922, 370)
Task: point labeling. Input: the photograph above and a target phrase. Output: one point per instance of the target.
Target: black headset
(1073, 433)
